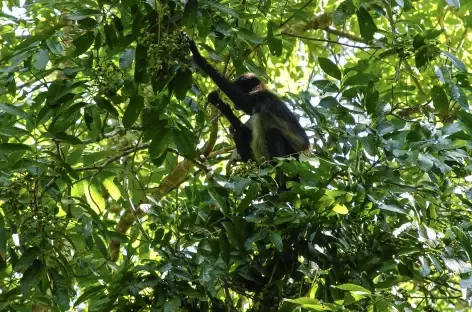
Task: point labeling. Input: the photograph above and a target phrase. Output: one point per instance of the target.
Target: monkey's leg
(242, 138)
(277, 144)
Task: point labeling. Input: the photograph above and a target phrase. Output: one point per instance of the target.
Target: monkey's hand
(191, 44)
(214, 98)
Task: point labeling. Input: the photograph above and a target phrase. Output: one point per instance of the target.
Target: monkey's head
(249, 83)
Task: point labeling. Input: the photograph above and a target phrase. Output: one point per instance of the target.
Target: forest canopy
(119, 185)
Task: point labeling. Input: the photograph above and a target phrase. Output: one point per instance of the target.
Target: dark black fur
(282, 132)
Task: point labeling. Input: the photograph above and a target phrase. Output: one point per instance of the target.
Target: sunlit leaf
(329, 67)
(340, 209)
(366, 24)
(276, 239)
(127, 58)
(440, 100)
(41, 59)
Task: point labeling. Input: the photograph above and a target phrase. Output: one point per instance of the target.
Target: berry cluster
(35, 221)
(165, 52)
(109, 78)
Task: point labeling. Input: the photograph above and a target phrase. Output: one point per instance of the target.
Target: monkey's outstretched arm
(231, 90)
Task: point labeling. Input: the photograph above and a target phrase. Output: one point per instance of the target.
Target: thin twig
(328, 41)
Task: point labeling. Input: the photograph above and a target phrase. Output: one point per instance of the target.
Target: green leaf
(224, 246)
(367, 26)
(64, 137)
(220, 201)
(361, 79)
(233, 234)
(3, 236)
(223, 8)
(371, 99)
(388, 282)
(329, 102)
(41, 59)
(443, 74)
(112, 189)
(173, 304)
(440, 100)
(140, 62)
(275, 43)
(88, 23)
(89, 292)
(182, 83)
(276, 239)
(13, 131)
(82, 14)
(27, 258)
(12, 147)
(468, 20)
(354, 288)
(344, 11)
(101, 246)
(392, 208)
(190, 13)
(249, 196)
(133, 110)
(13, 110)
(110, 36)
(60, 289)
(462, 99)
(326, 85)
(433, 33)
(158, 235)
(249, 36)
(456, 61)
(106, 105)
(340, 209)
(31, 41)
(83, 43)
(69, 169)
(311, 303)
(127, 57)
(464, 240)
(184, 140)
(426, 54)
(31, 276)
(329, 67)
(457, 265)
(160, 142)
(166, 239)
(425, 162)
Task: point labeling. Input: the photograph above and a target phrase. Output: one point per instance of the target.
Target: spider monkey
(272, 131)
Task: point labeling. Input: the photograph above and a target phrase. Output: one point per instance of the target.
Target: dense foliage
(117, 188)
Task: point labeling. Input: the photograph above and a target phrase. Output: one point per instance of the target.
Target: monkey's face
(248, 83)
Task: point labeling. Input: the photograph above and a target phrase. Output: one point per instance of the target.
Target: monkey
(273, 131)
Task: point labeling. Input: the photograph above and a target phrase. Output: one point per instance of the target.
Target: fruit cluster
(109, 78)
(165, 52)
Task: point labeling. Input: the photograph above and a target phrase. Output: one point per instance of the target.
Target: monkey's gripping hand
(192, 46)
